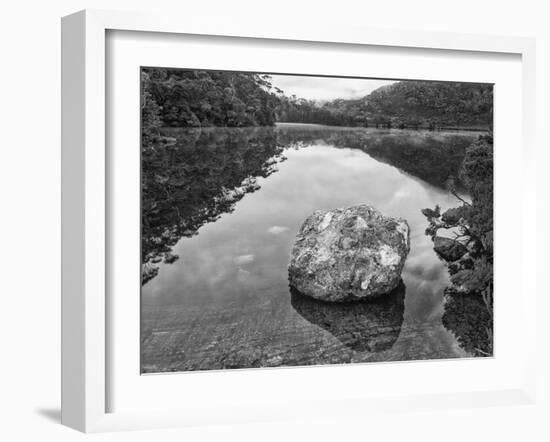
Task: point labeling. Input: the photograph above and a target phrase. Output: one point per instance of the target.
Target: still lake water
(229, 202)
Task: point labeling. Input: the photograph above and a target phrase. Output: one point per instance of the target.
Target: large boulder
(353, 253)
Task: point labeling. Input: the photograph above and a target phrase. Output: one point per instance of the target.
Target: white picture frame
(85, 199)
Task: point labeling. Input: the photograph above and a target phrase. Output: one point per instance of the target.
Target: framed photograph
(270, 223)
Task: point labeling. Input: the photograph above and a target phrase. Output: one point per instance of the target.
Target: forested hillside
(186, 98)
(404, 104)
(432, 104)
(182, 98)
(298, 110)
(419, 104)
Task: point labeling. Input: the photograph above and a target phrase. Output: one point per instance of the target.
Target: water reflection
(193, 182)
(221, 209)
(467, 317)
(206, 172)
(432, 157)
(371, 326)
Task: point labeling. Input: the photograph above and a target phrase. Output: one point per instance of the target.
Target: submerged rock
(352, 253)
(372, 326)
(449, 249)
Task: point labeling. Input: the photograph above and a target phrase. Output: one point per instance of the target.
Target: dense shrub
(477, 173)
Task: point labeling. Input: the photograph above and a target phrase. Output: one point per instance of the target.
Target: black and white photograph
(298, 221)
(301, 220)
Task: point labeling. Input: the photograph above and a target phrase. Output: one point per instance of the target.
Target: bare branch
(461, 199)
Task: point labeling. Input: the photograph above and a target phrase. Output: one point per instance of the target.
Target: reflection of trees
(472, 272)
(362, 326)
(434, 158)
(203, 174)
(194, 181)
(468, 317)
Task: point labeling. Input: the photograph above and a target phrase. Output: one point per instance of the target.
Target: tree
(150, 112)
(211, 98)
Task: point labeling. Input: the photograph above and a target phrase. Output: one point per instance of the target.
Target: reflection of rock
(449, 249)
(372, 325)
(348, 254)
(468, 318)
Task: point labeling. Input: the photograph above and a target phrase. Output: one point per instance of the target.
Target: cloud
(326, 88)
(244, 259)
(276, 230)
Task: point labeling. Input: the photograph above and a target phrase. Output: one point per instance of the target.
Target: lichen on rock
(351, 253)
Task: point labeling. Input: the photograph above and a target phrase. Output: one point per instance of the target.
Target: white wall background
(30, 219)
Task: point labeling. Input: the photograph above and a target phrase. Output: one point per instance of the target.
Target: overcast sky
(326, 88)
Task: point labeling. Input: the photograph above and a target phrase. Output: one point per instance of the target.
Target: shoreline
(282, 124)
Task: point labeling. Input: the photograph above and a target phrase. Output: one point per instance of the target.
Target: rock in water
(452, 215)
(353, 253)
(449, 249)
